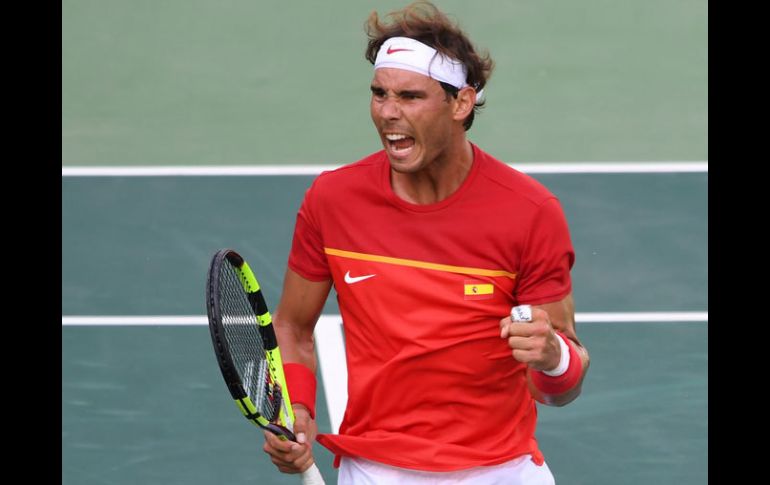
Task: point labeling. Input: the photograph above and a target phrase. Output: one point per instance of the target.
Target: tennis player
(429, 244)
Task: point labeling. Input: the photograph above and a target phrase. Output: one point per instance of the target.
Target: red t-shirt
(421, 290)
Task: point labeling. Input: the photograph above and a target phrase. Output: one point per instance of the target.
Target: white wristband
(563, 360)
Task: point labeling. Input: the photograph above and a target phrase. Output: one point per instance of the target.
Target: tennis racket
(247, 349)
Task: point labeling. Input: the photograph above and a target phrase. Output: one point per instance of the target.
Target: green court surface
(200, 82)
(147, 405)
(253, 81)
(640, 239)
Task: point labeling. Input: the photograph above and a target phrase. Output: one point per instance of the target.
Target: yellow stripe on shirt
(419, 264)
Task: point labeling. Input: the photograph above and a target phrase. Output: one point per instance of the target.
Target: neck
(437, 180)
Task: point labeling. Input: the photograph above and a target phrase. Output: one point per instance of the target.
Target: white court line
(332, 366)
(138, 320)
(331, 342)
(267, 170)
(641, 317)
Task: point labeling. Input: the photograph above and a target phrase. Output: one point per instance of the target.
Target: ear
(466, 100)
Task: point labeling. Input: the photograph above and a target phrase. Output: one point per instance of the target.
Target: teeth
(394, 136)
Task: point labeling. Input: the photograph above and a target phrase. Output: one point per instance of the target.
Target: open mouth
(399, 143)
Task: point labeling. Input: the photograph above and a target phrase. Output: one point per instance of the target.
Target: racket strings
(246, 346)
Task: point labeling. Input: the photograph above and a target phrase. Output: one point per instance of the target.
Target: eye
(378, 93)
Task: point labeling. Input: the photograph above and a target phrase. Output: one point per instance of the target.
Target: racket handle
(312, 476)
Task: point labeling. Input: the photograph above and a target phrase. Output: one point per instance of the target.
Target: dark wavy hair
(424, 22)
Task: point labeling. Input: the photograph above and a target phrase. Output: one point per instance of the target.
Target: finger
(278, 456)
(302, 420)
(301, 425)
(287, 468)
(304, 462)
(520, 343)
(283, 446)
(504, 324)
(518, 329)
(540, 314)
(295, 461)
(295, 468)
(292, 460)
(523, 356)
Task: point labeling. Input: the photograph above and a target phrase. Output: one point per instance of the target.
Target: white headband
(413, 55)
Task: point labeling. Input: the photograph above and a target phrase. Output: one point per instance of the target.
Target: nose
(390, 109)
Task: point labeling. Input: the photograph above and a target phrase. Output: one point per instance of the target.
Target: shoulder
(364, 172)
(511, 183)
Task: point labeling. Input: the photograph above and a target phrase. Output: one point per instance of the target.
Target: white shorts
(519, 471)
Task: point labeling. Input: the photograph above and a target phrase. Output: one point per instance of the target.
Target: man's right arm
(300, 306)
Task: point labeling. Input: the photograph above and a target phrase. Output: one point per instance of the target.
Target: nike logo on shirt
(355, 279)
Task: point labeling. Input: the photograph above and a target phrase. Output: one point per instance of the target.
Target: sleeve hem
(315, 277)
(542, 299)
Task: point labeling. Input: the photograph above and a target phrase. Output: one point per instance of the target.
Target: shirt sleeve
(307, 257)
(548, 256)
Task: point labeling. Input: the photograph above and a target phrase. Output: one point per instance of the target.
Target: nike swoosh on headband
(391, 50)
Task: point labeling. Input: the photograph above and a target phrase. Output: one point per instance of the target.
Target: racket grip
(312, 476)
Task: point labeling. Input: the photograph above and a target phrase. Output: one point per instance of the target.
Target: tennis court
(193, 84)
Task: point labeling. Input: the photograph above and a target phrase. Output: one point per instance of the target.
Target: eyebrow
(405, 92)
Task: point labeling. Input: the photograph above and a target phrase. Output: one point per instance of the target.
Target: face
(413, 117)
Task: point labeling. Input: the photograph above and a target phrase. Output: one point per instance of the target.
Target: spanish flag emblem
(478, 290)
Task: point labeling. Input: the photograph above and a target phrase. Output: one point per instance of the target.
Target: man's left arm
(537, 345)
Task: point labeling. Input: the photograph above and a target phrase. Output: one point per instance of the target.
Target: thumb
(301, 424)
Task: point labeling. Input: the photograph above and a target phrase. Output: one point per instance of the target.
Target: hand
(290, 456)
(533, 343)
